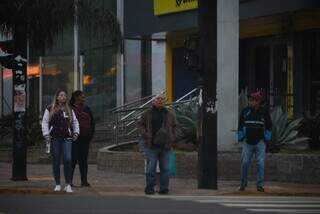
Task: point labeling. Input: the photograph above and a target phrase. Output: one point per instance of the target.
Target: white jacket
(45, 124)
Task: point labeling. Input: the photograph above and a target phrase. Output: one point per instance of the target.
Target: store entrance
(265, 65)
(183, 79)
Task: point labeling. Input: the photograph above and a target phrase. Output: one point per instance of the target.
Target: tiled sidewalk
(40, 181)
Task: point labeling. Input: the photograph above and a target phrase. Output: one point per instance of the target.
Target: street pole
(18, 63)
(81, 65)
(75, 47)
(19, 165)
(207, 131)
(40, 86)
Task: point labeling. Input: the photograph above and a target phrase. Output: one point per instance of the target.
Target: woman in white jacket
(60, 127)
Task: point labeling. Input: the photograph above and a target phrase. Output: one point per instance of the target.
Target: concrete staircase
(103, 137)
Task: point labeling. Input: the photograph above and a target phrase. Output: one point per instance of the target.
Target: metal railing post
(40, 87)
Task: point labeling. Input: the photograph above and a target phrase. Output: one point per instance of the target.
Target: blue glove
(267, 136)
(241, 134)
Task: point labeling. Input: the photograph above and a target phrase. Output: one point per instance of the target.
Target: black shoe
(260, 189)
(149, 192)
(163, 192)
(86, 184)
(242, 187)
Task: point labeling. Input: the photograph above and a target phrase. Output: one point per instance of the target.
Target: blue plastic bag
(172, 164)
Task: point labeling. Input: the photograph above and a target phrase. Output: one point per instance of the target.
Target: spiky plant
(284, 132)
(187, 117)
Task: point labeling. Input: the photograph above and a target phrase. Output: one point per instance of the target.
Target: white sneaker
(57, 188)
(68, 188)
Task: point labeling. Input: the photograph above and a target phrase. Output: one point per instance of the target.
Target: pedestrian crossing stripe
(256, 201)
(272, 204)
(291, 211)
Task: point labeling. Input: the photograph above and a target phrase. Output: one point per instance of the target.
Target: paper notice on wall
(20, 98)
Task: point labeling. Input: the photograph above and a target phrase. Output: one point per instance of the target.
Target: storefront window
(57, 74)
(99, 81)
(132, 70)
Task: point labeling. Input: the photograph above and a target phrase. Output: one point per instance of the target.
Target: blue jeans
(58, 148)
(153, 155)
(247, 153)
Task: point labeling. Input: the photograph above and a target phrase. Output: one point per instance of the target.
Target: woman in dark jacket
(80, 148)
(60, 127)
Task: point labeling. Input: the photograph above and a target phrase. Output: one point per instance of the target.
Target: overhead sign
(173, 6)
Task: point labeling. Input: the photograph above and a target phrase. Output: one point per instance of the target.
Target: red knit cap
(256, 96)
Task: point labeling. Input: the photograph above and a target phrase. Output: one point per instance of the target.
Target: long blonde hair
(54, 106)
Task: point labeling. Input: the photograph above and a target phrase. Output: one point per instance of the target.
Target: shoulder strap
(165, 115)
(148, 118)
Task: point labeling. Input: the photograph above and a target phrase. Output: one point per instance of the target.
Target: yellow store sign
(172, 6)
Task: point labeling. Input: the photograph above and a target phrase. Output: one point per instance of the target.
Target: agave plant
(284, 132)
(187, 117)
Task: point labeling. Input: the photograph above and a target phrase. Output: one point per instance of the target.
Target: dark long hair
(74, 97)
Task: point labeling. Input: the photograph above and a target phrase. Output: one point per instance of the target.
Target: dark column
(11, 60)
(207, 154)
(146, 82)
(19, 171)
(19, 71)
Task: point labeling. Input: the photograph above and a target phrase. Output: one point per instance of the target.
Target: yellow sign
(172, 6)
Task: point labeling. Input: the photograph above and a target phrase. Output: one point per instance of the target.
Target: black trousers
(80, 150)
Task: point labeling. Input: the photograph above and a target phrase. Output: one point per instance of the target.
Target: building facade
(94, 71)
(271, 46)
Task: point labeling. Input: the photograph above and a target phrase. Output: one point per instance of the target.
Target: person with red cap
(255, 130)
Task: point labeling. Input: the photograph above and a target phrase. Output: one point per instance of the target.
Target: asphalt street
(69, 203)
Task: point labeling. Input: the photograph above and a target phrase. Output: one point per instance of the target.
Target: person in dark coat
(255, 130)
(80, 148)
(157, 127)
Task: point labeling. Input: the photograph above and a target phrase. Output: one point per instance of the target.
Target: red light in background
(7, 73)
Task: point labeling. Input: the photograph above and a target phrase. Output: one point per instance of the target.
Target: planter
(299, 168)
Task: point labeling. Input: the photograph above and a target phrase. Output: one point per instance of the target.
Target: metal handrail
(141, 108)
(130, 103)
(131, 116)
(189, 93)
(140, 113)
(143, 105)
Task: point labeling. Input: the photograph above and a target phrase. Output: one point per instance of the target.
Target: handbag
(161, 137)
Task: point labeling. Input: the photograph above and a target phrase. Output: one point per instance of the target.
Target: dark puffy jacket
(85, 119)
(145, 127)
(254, 126)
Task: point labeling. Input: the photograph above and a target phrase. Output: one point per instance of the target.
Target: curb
(29, 190)
(137, 192)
